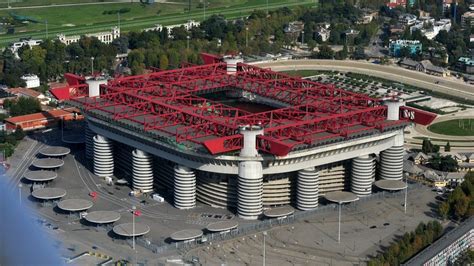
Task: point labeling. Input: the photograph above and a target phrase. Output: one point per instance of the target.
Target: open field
(90, 18)
(457, 127)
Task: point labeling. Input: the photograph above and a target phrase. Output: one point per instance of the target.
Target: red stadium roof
(168, 105)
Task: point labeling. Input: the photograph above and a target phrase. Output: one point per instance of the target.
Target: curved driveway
(414, 78)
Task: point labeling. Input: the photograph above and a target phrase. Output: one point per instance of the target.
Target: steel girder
(168, 101)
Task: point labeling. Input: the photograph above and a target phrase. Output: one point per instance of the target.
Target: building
(448, 247)
(368, 16)
(466, 65)
(395, 47)
(467, 19)
(395, 3)
(294, 30)
(14, 47)
(42, 119)
(323, 31)
(428, 67)
(294, 145)
(188, 26)
(407, 19)
(105, 37)
(429, 27)
(31, 81)
(25, 92)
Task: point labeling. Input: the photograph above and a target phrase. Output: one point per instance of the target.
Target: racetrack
(414, 78)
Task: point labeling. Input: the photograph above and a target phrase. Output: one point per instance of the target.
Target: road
(414, 78)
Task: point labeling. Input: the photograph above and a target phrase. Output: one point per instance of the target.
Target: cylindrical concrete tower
(142, 171)
(250, 134)
(250, 180)
(362, 175)
(393, 108)
(307, 189)
(103, 157)
(232, 64)
(94, 86)
(391, 163)
(89, 142)
(250, 190)
(184, 187)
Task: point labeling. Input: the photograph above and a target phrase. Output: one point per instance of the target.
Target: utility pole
(264, 255)
(133, 227)
(19, 190)
(246, 37)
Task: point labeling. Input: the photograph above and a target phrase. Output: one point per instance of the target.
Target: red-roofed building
(42, 119)
(395, 3)
(24, 92)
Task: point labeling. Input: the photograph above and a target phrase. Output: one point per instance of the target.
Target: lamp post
(19, 190)
(264, 234)
(246, 37)
(302, 38)
(92, 65)
(187, 39)
(339, 225)
(406, 193)
(133, 226)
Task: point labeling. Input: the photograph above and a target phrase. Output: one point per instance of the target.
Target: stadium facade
(201, 132)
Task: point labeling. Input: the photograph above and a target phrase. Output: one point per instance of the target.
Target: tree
(427, 146)
(444, 209)
(461, 207)
(19, 133)
(447, 147)
(325, 52)
(163, 61)
(23, 106)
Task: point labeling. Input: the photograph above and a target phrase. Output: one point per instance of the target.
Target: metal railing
(261, 225)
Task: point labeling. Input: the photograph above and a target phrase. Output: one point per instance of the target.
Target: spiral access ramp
(391, 163)
(103, 157)
(362, 175)
(250, 192)
(307, 189)
(142, 171)
(89, 142)
(184, 187)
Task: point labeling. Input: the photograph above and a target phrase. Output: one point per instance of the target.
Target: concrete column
(103, 156)
(307, 189)
(362, 175)
(393, 108)
(250, 190)
(94, 86)
(142, 171)
(391, 163)
(391, 160)
(89, 142)
(250, 180)
(184, 187)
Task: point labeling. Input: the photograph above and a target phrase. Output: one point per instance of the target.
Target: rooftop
(38, 116)
(171, 106)
(442, 243)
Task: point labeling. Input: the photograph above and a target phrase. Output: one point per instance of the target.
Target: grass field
(457, 127)
(90, 18)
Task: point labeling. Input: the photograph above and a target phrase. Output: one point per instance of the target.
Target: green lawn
(457, 127)
(89, 18)
(302, 73)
